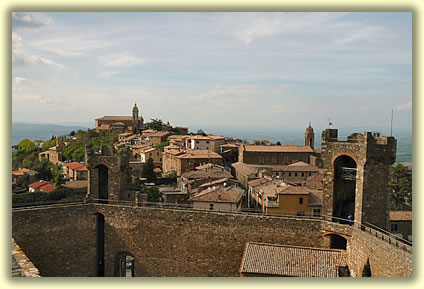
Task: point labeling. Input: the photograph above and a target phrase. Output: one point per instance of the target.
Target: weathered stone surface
(61, 240)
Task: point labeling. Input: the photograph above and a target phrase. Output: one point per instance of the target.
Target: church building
(122, 124)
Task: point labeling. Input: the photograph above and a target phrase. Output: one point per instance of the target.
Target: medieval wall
(61, 240)
(386, 260)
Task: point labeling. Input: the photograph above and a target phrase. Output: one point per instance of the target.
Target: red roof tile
(47, 188)
(37, 184)
(400, 216)
(280, 260)
(280, 149)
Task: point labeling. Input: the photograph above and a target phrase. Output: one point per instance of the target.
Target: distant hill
(32, 131)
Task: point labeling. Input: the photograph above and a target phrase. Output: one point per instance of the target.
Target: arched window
(124, 265)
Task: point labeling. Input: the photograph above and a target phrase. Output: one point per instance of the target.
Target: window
(289, 174)
(261, 160)
(197, 141)
(300, 201)
(316, 212)
(295, 174)
(394, 227)
(310, 174)
(211, 207)
(300, 213)
(303, 174)
(274, 160)
(207, 141)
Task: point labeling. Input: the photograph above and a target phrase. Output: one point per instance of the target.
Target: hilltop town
(154, 171)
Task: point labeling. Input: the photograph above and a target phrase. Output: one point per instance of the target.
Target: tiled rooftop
(280, 149)
(400, 216)
(219, 194)
(280, 260)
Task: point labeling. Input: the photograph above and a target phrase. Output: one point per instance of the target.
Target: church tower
(136, 121)
(309, 136)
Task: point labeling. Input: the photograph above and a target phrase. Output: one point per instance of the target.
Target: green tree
(278, 143)
(57, 174)
(148, 172)
(44, 170)
(201, 132)
(153, 194)
(78, 155)
(48, 144)
(401, 196)
(162, 145)
(156, 124)
(26, 146)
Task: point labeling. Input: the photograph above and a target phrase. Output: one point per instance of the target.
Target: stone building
(53, 154)
(184, 161)
(219, 198)
(401, 224)
(107, 173)
(121, 124)
(357, 172)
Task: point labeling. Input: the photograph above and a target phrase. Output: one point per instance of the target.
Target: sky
(240, 70)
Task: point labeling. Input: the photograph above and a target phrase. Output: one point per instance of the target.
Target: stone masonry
(374, 156)
(117, 164)
(61, 240)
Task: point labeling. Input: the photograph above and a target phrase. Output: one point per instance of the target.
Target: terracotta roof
(290, 190)
(400, 216)
(117, 117)
(287, 168)
(23, 171)
(315, 198)
(76, 184)
(75, 166)
(200, 154)
(258, 182)
(280, 149)
(47, 188)
(38, 184)
(280, 260)
(315, 182)
(244, 169)
(213, 182)
(211, 173)
(219, 194)
(215, 137)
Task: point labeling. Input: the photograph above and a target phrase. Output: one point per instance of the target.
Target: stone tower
(136, 121)
(107, 172)
(357, 173)
(309, 136)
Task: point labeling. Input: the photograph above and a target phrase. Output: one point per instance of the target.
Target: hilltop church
(121, 124)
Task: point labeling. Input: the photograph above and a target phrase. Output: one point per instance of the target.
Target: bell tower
(309, 136)
(136, 122)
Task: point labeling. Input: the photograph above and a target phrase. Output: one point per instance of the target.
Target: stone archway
(102, 181)
(344, 187)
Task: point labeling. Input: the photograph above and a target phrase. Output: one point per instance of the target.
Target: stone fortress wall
(61, 240)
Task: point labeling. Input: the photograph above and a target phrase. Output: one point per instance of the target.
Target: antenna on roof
(391, 124)
(329, 123)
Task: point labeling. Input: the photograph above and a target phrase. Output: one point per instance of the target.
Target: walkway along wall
(61, 240)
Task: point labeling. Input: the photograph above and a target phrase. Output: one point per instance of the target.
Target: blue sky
(214, 69)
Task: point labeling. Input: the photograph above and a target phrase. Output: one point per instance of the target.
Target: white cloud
(19, 80)
(70, 46)
(32, 97)
(369, 32)
(404, 106)
(123, 59)
(30, 20)
(108, 73)
(20, 56)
